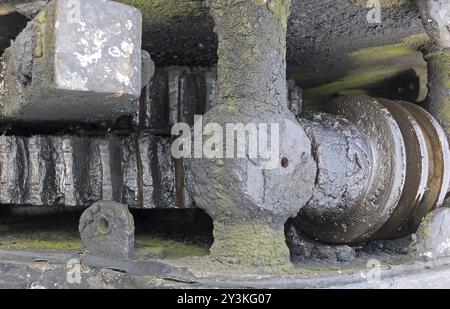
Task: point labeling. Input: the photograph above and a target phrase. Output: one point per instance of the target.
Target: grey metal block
(77, 60)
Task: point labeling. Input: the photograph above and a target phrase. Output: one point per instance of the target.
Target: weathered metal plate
(97, 47)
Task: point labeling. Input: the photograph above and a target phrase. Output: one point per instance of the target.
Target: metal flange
(387, 171)
(428, 169)
(439, 167)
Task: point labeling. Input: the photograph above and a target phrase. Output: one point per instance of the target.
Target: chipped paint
(77, 58)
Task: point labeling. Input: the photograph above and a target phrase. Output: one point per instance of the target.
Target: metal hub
(439, 167)
(407, 172)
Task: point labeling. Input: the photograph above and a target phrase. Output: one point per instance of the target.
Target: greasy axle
(361, 169)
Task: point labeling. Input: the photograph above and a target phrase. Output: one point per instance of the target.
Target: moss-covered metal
(438, 100)
(249, 205)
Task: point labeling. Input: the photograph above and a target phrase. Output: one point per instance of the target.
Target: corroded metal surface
(376, 160)
(71, 171)
(439, 172)
(248, 202)
(381, 169)
(176, 94)
(49, 269)
(107, 229)
(362, 220)
(57, 270)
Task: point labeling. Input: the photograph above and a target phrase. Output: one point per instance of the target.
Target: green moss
(424, 226)
(416, 41)
(250, 243)
(21, 243)
(354, 80)
(280, 8)
(407, 46)
(147, 246)
(42, 20)
(385, 3)
(259, 2)
(130, 218)
(440, 63)
(162, 248)
(379, 53)
(42, 245)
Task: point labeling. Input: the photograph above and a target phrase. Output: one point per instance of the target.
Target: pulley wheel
(417, 170)
(387, 174)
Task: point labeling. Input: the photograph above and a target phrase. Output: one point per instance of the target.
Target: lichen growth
(416, 41)
(249, 243)
(408, 46)
(42, 21)
(147, 246)
(28, 237)
(366, 67)
(39, 244)
(354, 80)
(155, 247)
